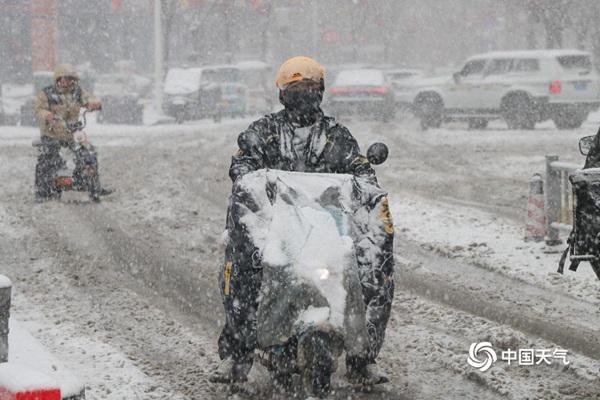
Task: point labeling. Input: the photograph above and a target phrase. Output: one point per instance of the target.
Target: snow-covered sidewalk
(491, 242)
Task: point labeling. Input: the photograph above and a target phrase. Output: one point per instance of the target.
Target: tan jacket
(63, 105)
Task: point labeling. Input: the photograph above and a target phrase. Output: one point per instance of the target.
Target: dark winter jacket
(267, 143)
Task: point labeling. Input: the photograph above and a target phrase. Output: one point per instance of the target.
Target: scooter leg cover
(239, 281)
(374, 240)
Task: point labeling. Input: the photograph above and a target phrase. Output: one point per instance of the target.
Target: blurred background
(424, 33)
(136, 53)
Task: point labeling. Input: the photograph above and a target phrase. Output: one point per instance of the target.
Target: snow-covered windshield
(360, 77)
(182, 80)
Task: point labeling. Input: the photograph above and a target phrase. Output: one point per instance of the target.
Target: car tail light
(379, 90)
(336, 90)
(556, 87)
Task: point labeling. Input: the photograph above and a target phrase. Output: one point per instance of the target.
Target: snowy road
(125, 290)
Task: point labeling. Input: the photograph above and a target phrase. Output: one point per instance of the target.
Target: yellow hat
(297, 69)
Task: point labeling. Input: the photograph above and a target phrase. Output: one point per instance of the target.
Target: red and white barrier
(535, 228)
(31, 372)
(20, 382)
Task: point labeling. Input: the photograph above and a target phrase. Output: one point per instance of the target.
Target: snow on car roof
(530, 53)
(359, 77)
(255, 64)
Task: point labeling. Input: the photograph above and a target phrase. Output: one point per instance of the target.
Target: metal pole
(158, 56)
(43, 34)
(314, 26)
(552, 200)
(5, 289)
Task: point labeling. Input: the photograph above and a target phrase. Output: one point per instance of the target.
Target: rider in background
(300, 138)
(58, 105)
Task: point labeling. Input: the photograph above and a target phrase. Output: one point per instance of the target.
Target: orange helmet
(297, 69)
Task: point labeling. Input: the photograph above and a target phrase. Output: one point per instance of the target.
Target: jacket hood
(64, 70)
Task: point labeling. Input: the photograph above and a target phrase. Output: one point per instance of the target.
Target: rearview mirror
(377, 153)
(585, 144)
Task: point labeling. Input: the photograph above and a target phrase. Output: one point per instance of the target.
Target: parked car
(403, 81)
(121, 104)
(521, 87)
(234, 93)
(262, 96)
(12, 97)
(233, 99)
(361, 91)
(189, 96)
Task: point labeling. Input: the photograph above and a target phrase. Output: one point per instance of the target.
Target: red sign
(117, 5)
(331, 37)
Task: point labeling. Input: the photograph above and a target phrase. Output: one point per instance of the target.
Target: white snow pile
(25, 350)
(16, 378)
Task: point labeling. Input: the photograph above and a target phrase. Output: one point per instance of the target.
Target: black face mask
(302, 103)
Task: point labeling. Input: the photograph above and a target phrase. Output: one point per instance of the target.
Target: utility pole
(158, 56)
(314, 28)
(43, 35)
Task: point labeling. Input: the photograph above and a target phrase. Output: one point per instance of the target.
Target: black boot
(359, 371)
(231, 371)
(105, 191)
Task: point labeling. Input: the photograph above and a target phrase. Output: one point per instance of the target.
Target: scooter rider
(57, 106)
(300, 138)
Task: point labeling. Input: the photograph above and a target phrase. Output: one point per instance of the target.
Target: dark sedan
(363, 92)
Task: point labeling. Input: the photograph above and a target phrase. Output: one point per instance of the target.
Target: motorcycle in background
(84, 176)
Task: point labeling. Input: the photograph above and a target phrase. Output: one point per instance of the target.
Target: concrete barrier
(5, 290)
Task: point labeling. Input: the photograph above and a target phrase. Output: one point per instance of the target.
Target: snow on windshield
(300, 233)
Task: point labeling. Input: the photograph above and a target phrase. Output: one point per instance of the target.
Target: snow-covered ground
(125, 291)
